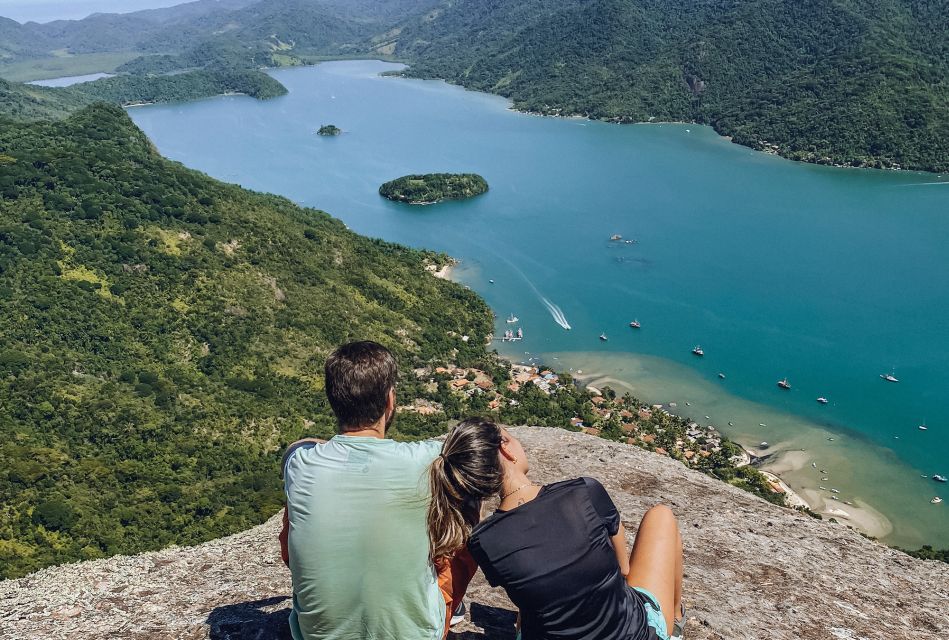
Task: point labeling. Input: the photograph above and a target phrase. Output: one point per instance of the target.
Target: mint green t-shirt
(359, 543)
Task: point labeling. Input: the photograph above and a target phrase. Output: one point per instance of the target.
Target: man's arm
(293, 447)
(285, 538)
(285, 529)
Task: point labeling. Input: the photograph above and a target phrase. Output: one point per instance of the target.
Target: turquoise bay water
(828, 276)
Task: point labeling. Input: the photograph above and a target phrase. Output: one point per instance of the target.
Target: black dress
(555, 560)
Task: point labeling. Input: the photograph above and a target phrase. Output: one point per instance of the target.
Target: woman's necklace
(523, 486)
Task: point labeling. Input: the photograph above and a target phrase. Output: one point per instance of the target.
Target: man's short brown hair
(359, 376)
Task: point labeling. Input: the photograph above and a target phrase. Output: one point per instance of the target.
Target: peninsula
(434, 187)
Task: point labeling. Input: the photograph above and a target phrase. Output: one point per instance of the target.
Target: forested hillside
(28, 102)
(844, 81)
(163, 336)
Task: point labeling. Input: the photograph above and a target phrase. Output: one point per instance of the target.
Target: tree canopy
(433, 187)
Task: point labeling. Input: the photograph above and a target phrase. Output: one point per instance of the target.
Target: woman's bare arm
(619, 546)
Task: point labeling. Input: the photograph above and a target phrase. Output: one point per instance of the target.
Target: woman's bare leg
(656, 561)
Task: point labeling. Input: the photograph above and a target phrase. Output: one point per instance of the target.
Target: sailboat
(784, 384)
(511, 319)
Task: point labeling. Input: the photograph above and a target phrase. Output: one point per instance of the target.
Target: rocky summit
(752, 570)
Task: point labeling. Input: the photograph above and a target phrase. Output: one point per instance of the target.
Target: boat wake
(556, 313)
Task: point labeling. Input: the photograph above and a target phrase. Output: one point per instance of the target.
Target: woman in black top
(558, 550)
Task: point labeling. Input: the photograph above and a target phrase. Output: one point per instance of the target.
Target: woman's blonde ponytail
(467, 471)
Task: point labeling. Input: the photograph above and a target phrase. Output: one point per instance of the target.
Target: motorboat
(822, 400)
(698, 351)
(922, 427)
(721, 375)
(635, 324)
(603, 337)
(889, 377)
(784, 384)
(939, 478)
(615, 237)
(763, 445)
(936, 500)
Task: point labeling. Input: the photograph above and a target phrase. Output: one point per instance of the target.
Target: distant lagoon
(829, 277)
(68, 81)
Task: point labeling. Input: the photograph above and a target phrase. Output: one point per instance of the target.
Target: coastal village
(598, 412)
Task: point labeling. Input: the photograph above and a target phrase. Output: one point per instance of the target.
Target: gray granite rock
(753, 570)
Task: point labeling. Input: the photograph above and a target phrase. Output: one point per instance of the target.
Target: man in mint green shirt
(355, 524)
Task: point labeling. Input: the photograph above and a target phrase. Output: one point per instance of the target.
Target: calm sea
(829, 277)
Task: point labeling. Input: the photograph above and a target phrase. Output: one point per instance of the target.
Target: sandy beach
(800, 458)
(444, 272)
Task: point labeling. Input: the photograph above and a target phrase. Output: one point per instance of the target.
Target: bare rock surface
(753, 570)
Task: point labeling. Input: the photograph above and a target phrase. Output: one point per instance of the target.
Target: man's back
(358, 541)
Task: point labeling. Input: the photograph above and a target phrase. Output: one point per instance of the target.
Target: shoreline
(859, 515)
(444, 272)
(764, 146)
(775, 463)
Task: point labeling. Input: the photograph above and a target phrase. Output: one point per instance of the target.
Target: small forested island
(430, 188)
(329, 130)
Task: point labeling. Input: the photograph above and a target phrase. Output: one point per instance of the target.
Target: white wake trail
(556, 313)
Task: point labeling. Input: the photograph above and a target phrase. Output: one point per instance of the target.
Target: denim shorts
(654, 618)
